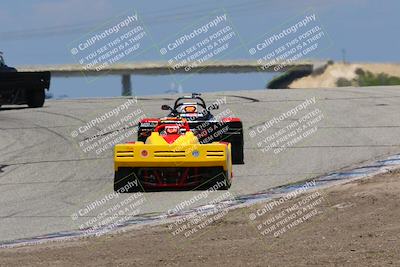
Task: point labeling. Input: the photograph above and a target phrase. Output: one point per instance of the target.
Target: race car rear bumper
(140, 155)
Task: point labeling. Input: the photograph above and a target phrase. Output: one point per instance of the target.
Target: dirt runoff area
(356, 224)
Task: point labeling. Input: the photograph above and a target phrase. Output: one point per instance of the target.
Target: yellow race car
(172, 157)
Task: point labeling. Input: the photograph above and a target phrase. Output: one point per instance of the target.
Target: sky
(42, 32)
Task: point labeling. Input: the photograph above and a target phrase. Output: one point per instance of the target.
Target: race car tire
(35, 98)
(237, 154)
(225, 177)
(125, 181)
(218, 176)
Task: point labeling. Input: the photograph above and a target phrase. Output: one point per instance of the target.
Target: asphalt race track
(45, 176)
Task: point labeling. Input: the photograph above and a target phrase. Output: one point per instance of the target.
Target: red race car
(206, 127)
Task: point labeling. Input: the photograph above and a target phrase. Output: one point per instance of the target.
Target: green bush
(367, 78)
(343, 82)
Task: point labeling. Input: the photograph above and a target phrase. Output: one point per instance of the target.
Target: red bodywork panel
(230, 120)
(149, 120)
(170, 138)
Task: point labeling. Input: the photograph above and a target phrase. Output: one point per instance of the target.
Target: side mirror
(214, 106)
(166, 107)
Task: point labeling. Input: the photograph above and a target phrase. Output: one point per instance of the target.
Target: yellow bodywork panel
(185, 151)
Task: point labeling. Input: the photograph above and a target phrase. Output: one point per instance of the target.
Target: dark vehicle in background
(18, 88)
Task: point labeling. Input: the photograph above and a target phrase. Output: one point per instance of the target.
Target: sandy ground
(339, 70)
(356, 224)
